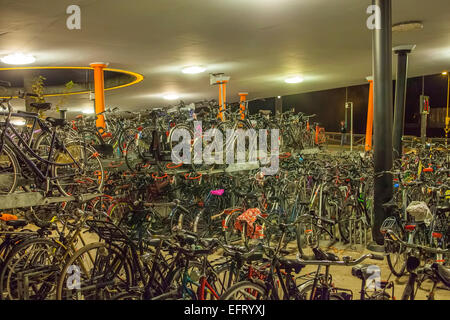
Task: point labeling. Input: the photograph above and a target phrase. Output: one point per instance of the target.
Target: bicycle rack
(358, 233)
(24, 278)
(31, 199)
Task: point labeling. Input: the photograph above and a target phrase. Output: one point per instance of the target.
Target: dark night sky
(328, 105)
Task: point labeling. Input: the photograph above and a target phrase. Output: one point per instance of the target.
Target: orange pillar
(317, 134)
(369, 126)
(242, 99)
(99, 82)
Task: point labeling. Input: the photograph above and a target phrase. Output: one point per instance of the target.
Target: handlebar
(346, 261)
(394, 237)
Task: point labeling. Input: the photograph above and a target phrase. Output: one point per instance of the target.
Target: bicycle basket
(420, 211)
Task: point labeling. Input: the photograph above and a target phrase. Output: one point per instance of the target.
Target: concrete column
(28, 78)
(400, 97)
(279, 105)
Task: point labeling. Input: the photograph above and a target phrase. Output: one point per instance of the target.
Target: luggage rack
(32, 199)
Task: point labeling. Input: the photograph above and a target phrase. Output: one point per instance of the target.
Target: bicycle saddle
(16, 223)
(291, 264)
(442, 272)
(56, 122)
(41, 106)
(322, 255)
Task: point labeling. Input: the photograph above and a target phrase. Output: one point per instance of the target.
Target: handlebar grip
(377, 257)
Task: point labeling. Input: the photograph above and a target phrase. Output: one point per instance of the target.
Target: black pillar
(382, 70)
(400, 98)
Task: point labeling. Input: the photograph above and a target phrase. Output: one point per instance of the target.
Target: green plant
(38, 88)
(62, 100)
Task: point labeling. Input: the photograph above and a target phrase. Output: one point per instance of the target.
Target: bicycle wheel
(90, 137)
(183, 221)
(172, 143)
(232, 236)
(311, 235)
(204, 226)
(320, 292)
(139, 153)
(126, 136)
(87, 176)
(185, 284)
(245, 290)
(9, 170)
(117, 211)
(95, 272)
(30, 270)
(396, 258)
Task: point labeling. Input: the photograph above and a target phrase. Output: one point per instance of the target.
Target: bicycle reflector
(428, 169)
(436, 235)
(410, 227)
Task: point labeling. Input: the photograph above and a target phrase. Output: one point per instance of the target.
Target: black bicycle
(70, 166)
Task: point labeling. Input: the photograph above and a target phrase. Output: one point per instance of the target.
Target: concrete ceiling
(257, 42)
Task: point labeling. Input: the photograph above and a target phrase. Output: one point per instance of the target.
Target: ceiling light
(444, 73)
(88, 111)
(407, 26)
(279, 97)
(18, 58)
(171, 96)
(193, 70)
(296, 79)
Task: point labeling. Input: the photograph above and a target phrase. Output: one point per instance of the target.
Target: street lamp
(447, 119)
(349, 105)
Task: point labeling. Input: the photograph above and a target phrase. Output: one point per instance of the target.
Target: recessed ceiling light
(18, 58)
(296, 79)
(193, 69)
(444, 73)
(279, 97)
(407, 26)
(171, 96)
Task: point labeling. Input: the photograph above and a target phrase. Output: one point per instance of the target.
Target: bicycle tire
(257, 291)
